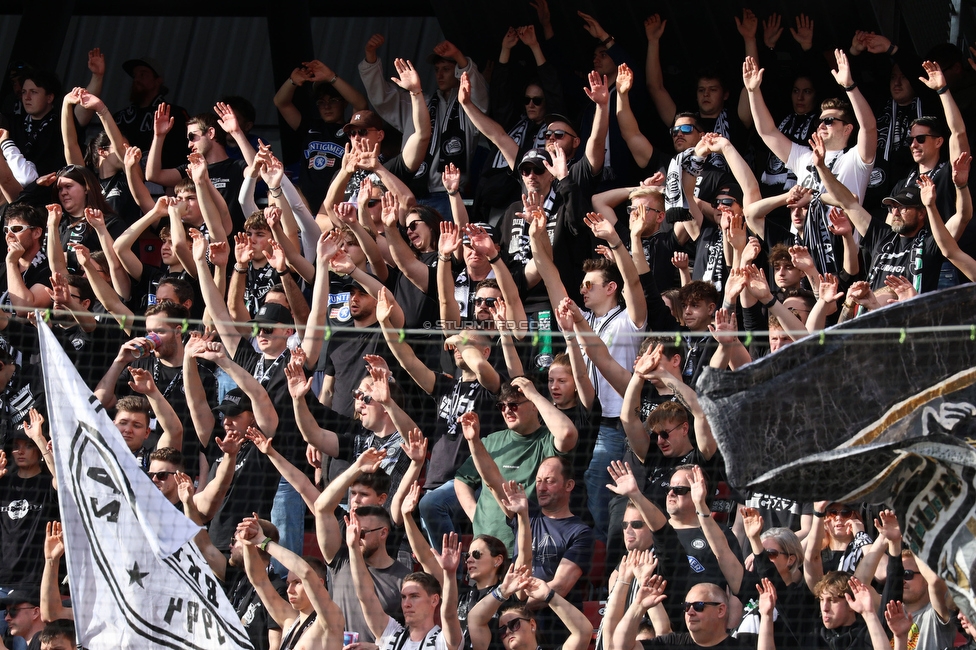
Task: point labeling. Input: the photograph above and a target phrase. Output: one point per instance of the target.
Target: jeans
(17, 642)
(441, 202)
(438, 510)
(224, 383)
(288, 516)
(609, 446)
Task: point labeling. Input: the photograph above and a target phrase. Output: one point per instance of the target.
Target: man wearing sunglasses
(706, 617)
(839, 118)
(28, 273)
(23, 617)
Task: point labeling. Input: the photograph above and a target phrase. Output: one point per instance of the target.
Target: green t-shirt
(518, 458)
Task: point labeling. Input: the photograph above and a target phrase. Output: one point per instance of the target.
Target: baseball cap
(273, 313)
(235, 402)
(908, 197)
(536, 158)
(30, 595)
(363, 120)
(151, 63)
(733, 190)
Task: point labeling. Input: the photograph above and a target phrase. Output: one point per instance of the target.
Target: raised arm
(412, 267)
(640, 147)
(162, 125)
(584, 386)
(251, 538)
(778, 143)
(135, 179)
(580, 628)
(415, 147)
(376, 618)
(666, 108)
(69, 135)
(212, 297)
(484, 464)
(860, 217)
(625, 484)
(52, 608)
(326, 524)
(730, 565)
(405, 356)
(935, 80)
(448, 560)
(633, 293)
(599, 94)
(867, 135)
(295, 476)
(943, 238)
(142, 383)
(563, 430)
(488, 127)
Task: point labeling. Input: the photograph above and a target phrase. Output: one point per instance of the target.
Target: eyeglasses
(487, 302)
(372, 203)
(361, 396)
(772, 553)
(325, 101)
(557, 134)
(473, 554)
(909, 574)
(698, 605)
(535, 101)
(587, 284)
(193, 136)
(920, 138)
(509, 405)
(664, 435)
(728, 202)
(683, 128)
(634, 209)
(828, 121)
(361, 133)
(529, 170)
(636, 525)
(512, 626)
(162, 476)
(844, 514)
(413, 225)
(365, 531)
(679, 490)
(17, 228)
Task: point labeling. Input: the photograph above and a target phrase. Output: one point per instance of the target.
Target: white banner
(137, 580)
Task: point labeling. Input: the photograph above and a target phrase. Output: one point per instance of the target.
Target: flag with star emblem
(137, 579)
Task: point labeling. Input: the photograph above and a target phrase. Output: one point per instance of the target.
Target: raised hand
(184, 487)
(142, 381)
(654, 27)
(751, 74)
(451, 178)
(751, 251)
(592, 27)
(464, 89)
(470, 425)
(527, 35)
(602, 229)
(411, 499)
(861, 600)
(898, 618)
(53, 541)
(373, 44)
(409, 80)
(752, 522)
(736, 231)
(819, 149)
(318, 71)
(219, 253)
(829, 284)
(515, 499)
(96, 62)
(651, 592)
(391, 210)
(133, 155)
(624, 482)
(960, 169)
(449, 241)
(772, 30)
(162, 122)
(384, 305)
(34, 428)
(646, 365)
(450, 555)
(747, 25)
(767, 597)
(414, 446)
(243, 251)
(934, 78)
(888, 525)
(196, 164)
(840, 223)
(510, 39)
(725, 326)
(598, 92)
(803, 34)
(261, 441)
(842, 75)
(231, 443)
(756, 284)
(902, 287)
(480, 240)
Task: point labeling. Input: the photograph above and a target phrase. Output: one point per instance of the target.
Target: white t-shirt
(847, 166)
(620, 334)
(397, 637)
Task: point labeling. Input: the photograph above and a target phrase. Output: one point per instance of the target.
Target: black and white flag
(137, 579)
(881, 410)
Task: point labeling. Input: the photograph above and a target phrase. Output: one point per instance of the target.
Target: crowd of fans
(469, 355)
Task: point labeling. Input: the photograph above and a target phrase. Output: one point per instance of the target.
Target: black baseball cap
(235, 402)
(908, 197)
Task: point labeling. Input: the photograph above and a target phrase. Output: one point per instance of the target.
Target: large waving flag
(881, 410)
(137, 579)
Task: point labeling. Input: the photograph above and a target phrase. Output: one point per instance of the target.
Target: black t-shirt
(449, 449)
(38, 272)
(252, 612)
(79, 232)
(136, 124)
(687, 560)
(24, 392)
(227, 176)
(659, 248)
(683, 640)
(917, 257)
(252, 489)
(115, 189)
(345, 362)
(40, 140)
(144, 291)
(26, 505)
(323, 146)
(169, 380)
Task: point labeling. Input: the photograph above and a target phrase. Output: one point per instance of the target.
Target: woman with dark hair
(517, 628)
(103, 155)
(84, 217)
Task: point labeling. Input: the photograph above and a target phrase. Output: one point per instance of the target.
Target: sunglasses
(920, 138)
(512, 626)
(413, 225)
(535, 101)
(588, 285)
(361, 396)
(909, 574)
(844, 514)
(508, 405)
(557, 134)
(679, 490)
(162, 476)
(17, 228)
(529, 170)
(698, 605)
(487, 302)
(636, 525)
(266, 331)
(193, 136)
(362, 133)
(372, 203)
(664, 435)
(827, 121)
(772, 553)
(365, 531)
(477, 555)
(683, 128)
(728, 202)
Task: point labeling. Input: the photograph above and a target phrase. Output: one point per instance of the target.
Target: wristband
(613, 248)
(569, 337)
(334, 79)
(264, 545)
(962, 187)
(703, 514)
(495, 258)
(604, 43)
(450, 193)
(550, 595)
(496, 593)
(444, 258)
(820, 515)
(769, 305)
(621, 582)
(239, 269)
(943, 90)
(292, 82)
(848, 89)
(891, 49)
